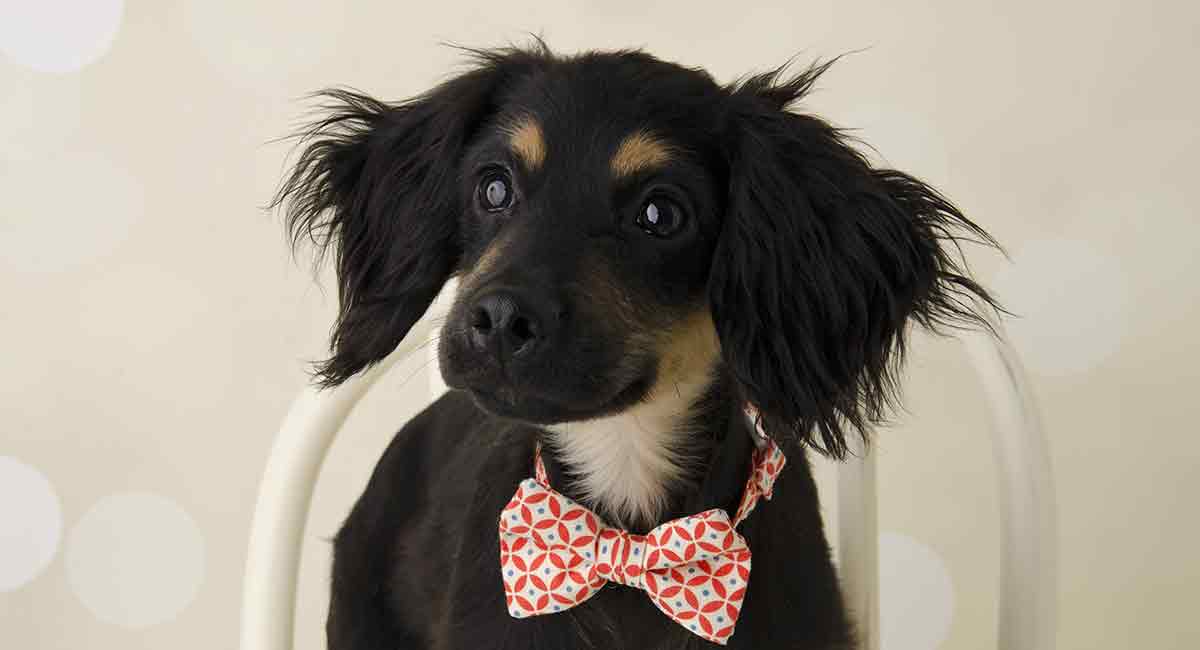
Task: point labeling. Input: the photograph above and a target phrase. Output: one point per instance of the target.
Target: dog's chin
(529, 406)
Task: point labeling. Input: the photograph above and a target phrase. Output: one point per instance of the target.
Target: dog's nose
(502, 324)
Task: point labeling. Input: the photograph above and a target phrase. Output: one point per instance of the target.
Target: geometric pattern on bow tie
(768, 463)
(556, 554)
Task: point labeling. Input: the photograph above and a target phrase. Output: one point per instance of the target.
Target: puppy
(665, 285)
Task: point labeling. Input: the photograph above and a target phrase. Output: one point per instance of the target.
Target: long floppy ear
(378, 184)
(821, 264)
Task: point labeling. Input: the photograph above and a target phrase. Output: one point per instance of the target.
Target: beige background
(154, 327)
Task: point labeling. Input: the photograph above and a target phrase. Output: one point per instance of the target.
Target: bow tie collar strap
(555, 554)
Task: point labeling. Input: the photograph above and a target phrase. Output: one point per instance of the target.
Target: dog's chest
(625, 466)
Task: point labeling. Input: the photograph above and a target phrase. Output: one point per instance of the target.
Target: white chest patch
(626, 464)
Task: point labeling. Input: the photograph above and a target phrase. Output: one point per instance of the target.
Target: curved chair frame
(1028, 589)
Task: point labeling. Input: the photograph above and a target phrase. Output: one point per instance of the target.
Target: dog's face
(590, 204)
(620, 225)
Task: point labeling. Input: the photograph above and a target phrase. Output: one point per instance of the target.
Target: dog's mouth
(581, 377)
(505, 400)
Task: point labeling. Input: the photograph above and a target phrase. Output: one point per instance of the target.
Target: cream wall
(154, 327)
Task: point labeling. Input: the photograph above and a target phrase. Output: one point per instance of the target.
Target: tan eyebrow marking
(638, 151)
(525, 138)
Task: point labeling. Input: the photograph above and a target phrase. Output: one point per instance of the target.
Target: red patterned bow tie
(555, 554)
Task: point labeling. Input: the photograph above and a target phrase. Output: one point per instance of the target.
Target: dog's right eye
(495, 191)
(660, 217)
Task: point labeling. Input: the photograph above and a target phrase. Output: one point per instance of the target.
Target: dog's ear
(822, 262)
(377, 183)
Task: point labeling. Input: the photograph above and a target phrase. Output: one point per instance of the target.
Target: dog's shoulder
(440, 459)
(432, 500)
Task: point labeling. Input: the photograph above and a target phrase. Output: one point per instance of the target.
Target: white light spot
(135, 560)
(1070, 300)
(30, 523)
(916, 595)
(67, 211)
(58, 35)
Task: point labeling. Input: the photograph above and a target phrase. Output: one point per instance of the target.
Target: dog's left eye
(661, 217)
(495, 191)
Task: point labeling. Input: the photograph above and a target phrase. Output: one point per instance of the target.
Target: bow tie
(555, 554)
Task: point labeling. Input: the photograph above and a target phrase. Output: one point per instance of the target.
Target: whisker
(420, 369)
(420, 347)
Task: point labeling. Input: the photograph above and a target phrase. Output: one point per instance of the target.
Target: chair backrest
(1028, 589)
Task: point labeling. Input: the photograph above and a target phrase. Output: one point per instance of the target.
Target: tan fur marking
(487, 260)
(639, 151)
(688, 351)
(526, 139)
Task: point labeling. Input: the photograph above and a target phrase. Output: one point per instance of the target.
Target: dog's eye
(495, 191)
(660, 217)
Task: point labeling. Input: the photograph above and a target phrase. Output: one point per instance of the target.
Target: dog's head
(620, 225)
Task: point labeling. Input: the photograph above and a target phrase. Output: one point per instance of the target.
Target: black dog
(641, 253)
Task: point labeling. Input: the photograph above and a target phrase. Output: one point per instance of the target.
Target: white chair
(1027, 597)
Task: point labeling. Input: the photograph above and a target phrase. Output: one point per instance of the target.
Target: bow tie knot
(620, 557)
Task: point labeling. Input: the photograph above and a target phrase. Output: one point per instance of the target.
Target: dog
(660, 279)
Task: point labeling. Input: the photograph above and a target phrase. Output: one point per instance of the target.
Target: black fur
(811, 262)
(812, 304)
